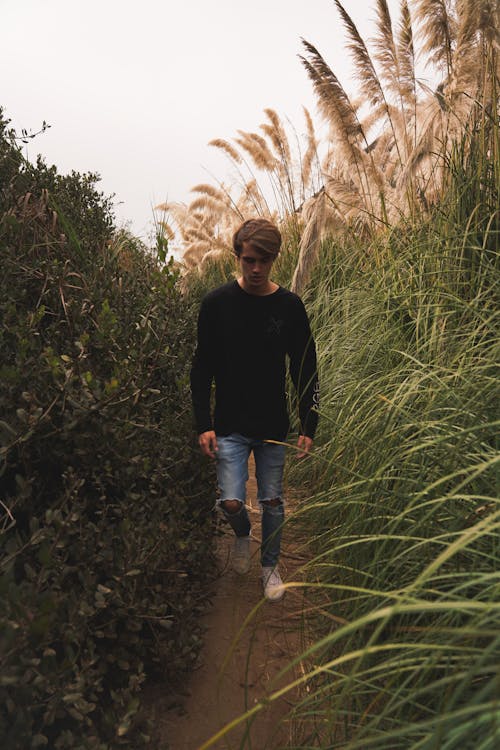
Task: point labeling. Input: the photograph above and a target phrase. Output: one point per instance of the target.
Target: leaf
(7, 428)
(75, 714)
(123, 728)
(5, 681)
(39, 740)
(71, 697)
(104, 589)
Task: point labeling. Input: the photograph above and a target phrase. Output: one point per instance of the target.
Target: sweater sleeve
(303, 371)
(202, 371)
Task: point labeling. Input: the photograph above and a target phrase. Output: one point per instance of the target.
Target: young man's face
(255, 269)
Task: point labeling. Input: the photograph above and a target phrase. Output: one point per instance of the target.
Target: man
(246, 328)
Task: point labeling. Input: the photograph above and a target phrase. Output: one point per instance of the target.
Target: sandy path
(238, 666)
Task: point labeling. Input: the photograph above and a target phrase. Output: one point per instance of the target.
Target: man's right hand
(208, 443)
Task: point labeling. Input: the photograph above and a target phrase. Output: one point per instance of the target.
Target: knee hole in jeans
(273, 502)
(232, 506)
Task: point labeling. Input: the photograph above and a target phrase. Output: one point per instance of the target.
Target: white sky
(135, 90)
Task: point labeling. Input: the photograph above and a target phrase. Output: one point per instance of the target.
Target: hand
(208, 443)
(305, 444)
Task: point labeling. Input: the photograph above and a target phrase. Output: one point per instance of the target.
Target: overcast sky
(135, 90)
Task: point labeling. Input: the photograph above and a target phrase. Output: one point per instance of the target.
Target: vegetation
(205, 226)
(387, 148)
(106, 522)
(392, 237)
(398, 265)
(404, 510)
(401, 510)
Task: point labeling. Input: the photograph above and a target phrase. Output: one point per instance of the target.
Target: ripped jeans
(232, 474)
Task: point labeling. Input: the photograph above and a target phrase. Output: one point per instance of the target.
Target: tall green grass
(401, 508)
(405, 516)
(402, 512)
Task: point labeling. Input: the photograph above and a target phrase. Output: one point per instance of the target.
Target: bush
(106, 522)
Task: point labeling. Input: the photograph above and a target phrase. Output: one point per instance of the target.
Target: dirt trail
(237, 667)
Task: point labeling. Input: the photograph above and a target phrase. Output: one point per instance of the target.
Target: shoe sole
(241, 571)
(274, 599)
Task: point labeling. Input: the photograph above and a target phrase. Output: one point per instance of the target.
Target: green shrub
(106, 521)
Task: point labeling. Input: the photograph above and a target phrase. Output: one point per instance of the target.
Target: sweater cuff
(309, 425)
(204, 425)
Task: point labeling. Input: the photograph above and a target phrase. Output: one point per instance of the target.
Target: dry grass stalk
(220, 143)
(314, 218)
(210, 190)
(311, 154)
(336, 108)
(382, 157)
(252, 200)
(437, 32)
(366, 75)
(258, 151)
(167, 230)
(406, 58)
(214, 215)
(278, 135)
(400, 171)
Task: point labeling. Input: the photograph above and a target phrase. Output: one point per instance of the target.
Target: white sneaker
(273, 585)
(241, 554)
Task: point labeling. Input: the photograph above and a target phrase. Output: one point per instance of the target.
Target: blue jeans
(232, 474)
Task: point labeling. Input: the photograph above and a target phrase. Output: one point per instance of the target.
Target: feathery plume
(406, 57)
(344, 196)
(386, 51)
(422, 151)
(314, 217)
(311, 151)
(437, 32)
(211, 255)
(476, 20)
(252, 199)
(165, 207)
(366, 74)
(194, 252)
(278, 135)
(252, 143)
(257, 138)
(333, 101)
(199, 232)
(222, 193)
(167, 229)
(225, 146)
(370, 82)
(208, 202)
(283, 163)
(211, 190)
(345, 126)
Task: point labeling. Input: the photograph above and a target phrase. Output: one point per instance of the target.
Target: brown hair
(261, 234)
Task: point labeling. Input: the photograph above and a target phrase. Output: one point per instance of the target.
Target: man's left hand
(304, 443)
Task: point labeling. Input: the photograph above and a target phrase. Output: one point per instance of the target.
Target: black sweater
(243, 340)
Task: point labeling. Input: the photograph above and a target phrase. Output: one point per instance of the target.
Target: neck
(259, 291)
